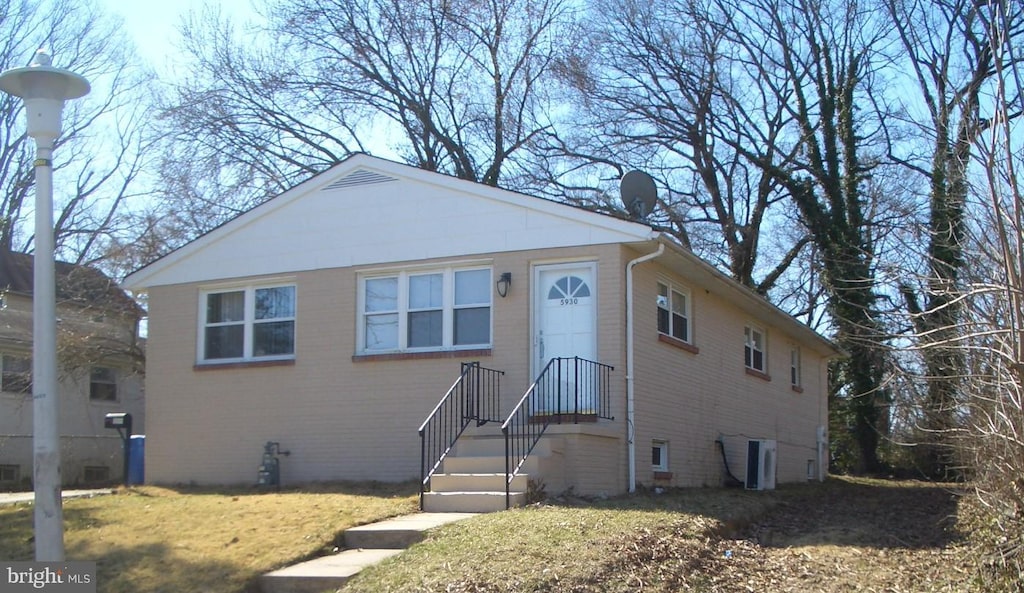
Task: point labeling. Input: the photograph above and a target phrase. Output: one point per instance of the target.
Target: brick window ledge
(677, 343)
(421, 355)
(249, 364)
(759, 374)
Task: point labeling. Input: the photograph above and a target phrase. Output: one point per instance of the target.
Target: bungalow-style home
(99, 358)
(382, 322)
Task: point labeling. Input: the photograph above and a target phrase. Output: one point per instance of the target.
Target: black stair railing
(473, 397)
(567, 390)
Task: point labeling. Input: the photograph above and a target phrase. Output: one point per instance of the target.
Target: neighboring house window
(754, 348)
(659, 456)
(9, 474)
(17, 374)
(673, 312)
(96, 473)
(103, 384)
(251, 323)
(794, 367)
(429, 310)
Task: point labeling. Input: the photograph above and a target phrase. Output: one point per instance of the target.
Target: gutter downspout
(630, 402)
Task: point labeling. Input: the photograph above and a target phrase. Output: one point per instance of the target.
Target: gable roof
(81, 285)
(367, 210)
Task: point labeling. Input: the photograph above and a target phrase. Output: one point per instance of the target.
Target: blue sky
(153, 25)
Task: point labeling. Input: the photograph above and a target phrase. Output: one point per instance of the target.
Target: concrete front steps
(472, 477)
(367, 545)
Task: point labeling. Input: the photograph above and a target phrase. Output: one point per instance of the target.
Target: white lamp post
(44, 89)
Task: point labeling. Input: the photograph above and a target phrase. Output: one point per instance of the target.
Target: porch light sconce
(503, 283)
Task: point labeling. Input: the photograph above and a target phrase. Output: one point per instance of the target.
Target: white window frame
(669, 307)
(248, 322)
(448, 308)
(4, 357)
(663, 447)
(750, 343)
(113, 381)
(795, 370)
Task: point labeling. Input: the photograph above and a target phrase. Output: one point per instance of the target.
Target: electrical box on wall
(761, 462)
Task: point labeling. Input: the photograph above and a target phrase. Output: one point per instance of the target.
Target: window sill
(759, 374)
(660, 475)
(248, 364)
(677, 343)
(421, 355)
(797, 388)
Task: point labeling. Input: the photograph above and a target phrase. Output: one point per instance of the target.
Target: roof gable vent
(359, 177)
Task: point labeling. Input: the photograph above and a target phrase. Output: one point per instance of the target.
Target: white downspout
(630, 403)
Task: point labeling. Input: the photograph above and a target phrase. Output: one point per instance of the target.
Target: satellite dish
(639, 194)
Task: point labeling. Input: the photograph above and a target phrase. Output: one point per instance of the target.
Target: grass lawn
(844, 535)
(163, 540)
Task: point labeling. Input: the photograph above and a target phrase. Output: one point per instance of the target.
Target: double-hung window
(247, 323)
(103, 384)
(754, 348)
(673, 312)
(435, 309)
(794, 368)
(17, 374)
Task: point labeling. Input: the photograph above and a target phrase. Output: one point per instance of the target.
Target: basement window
(659, 456)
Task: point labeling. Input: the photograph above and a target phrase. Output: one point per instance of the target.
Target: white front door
(565, 309)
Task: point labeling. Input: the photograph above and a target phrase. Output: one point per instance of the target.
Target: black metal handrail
(474, 396)
(568, 389)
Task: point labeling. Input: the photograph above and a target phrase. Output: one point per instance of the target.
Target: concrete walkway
(367, 545)
(16, 497)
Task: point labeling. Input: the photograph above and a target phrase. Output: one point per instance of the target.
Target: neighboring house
(333, 318)
(99, 371)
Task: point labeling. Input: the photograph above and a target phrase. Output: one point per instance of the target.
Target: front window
(431, 310)
(248, 323)
(103, 384)
(754, 348)
(17, 374)
(673, 313)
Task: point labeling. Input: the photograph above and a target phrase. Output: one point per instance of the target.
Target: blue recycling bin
(136, 460)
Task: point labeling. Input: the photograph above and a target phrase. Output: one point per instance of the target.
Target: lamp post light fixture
(44, 90)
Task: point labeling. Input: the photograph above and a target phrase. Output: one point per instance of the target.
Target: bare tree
(454, 87)
(102, 148)
(993, 340)
(653, 86)
(948, 48)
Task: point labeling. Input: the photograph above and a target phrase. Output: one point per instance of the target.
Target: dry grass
(164, 540)
(845, 535)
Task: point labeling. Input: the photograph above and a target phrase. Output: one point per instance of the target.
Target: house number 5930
(572, 301)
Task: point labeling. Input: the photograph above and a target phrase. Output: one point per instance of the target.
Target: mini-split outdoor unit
(761, 458)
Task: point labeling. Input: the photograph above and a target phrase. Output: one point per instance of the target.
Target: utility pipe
(630, 401)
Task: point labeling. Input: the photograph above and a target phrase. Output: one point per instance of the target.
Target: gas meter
(269, 474)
